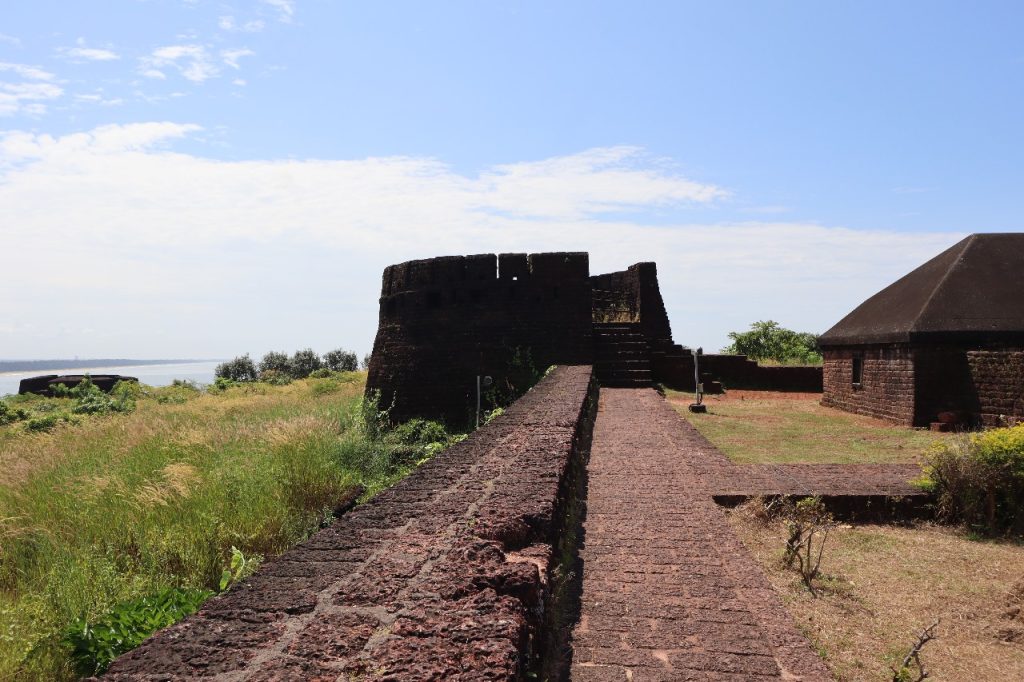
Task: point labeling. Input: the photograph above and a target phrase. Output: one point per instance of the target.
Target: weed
(94, 646)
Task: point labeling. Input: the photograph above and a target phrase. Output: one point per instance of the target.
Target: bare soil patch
(884, 584)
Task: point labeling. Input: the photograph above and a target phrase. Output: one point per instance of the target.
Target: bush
(44, 423)
(766, 340)
(240, 369)
(322, 373)
(275, 377)
(978, 480)
(94, 646)
(365, 363)
(9, 415)
(340, 360)
(304, 363)
(275, 362)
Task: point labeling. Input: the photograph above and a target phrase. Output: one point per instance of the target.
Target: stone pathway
(669, 593)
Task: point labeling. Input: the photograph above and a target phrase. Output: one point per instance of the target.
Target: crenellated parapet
(443, 321)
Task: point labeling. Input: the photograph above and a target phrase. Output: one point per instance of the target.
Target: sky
(203, 178)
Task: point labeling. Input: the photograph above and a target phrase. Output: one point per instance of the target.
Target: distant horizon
(199, 177)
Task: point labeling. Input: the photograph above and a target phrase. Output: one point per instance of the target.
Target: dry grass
(761, 427)
(884, 584)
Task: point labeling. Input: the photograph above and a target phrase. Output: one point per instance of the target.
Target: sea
(154, 375)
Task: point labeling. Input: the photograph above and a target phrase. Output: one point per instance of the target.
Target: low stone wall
(443, 576)
(735, 372)
(998, 378)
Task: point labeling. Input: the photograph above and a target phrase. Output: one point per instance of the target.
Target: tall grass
(126, 505)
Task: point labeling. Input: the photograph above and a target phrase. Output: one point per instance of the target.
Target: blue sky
(232, 177)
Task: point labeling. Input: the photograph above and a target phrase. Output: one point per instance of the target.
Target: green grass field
(760, 427)
(121, 506)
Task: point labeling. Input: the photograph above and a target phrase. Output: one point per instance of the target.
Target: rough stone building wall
(998, 378)
(887, 384)
(443, 321)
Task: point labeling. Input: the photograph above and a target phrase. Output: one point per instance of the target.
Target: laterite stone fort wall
(443, 321)
(445, 576)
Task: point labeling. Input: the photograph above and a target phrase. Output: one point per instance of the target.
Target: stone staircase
(622, 356)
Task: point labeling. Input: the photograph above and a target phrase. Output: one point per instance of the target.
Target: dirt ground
(884, 584)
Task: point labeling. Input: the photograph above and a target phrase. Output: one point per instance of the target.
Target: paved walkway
(669, 593)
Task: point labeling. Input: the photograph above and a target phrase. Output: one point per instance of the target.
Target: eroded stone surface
(417, 584)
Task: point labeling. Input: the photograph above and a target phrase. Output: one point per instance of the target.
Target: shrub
(9, 415)
(978, 480)
(275, 377)
(304, 363)
(808, 524)
(240, 369)
(94, 646)
(365, 363)
(341, 360)
(44, 423)
(89, 399)
(322, 373)
(275, 362)
(766, 340)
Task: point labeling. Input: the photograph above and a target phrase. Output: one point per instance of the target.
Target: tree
(766, 340)
(240, 369)
(341, 360)
(276, 362)
(304, 363)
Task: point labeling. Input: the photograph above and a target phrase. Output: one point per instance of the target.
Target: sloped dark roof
(974, 288)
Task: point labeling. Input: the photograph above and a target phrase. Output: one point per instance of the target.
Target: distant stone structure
(445, 321)
(43, 385)
(942, 345)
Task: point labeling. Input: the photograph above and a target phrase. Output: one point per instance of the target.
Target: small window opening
(858, 371)
(515, 278)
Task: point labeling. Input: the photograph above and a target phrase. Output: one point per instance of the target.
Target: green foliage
(240, 567)
(94, 646)
(978, 480)
(89, 399)
(364, 364)
(176, 497)
(304, 363)
(43, 423)
(10, 414)
(766, 340)
(519, 376)
(341, 360)
(275, 362)
(275, 377)
(493, 414)
(322, 373)
(241, 368)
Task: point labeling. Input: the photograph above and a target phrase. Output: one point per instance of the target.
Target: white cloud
(26, 71)
(155, 74)
(210, 257)
(231, 57)
(285, 9)
(90, 54)
(10, 40)
(191, 61)
(31, 88)
(228, 23)
(240, 82)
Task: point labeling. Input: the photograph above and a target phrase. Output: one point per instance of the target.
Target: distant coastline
(85, 363)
